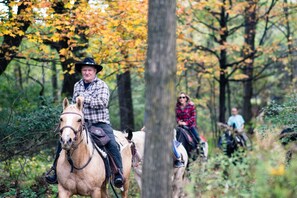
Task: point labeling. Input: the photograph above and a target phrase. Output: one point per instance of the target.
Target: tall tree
(249, 51)
(160, 98)
(289, 36)
(54, 81)
(125, 100)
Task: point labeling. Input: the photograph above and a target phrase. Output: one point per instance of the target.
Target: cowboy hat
(87, 62)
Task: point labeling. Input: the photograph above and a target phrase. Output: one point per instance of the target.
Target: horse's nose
(66, 142)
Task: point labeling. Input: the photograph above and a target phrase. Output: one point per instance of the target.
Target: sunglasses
(182, 97)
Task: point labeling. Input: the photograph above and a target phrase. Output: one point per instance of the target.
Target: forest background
(229, 54)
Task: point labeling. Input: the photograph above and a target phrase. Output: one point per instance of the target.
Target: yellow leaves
(55, 37)
(68, 5)
(44, 49)
(20, 32)
(6, 32)
(63, 52)
(240, 76)
(277, 171)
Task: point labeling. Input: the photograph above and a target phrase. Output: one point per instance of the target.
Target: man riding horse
(95, 108)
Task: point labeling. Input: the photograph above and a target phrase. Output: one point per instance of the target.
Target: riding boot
(51, 175)
(177, 157)
(116, 159)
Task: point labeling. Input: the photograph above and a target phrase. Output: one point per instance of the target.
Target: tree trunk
(289, 36)
(68, 82)
(248, 51)
(222, 97)
(54, 82)
(160, 99)
(125, 101)
(18, 76)
(223, 63)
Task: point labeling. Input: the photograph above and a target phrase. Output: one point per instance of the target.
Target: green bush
(28, 131)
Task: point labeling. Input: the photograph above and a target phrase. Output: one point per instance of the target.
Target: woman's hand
(182, 123)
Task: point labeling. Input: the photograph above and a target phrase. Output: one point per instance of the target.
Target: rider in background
(236, 120)
(178, 162)
(185, 111)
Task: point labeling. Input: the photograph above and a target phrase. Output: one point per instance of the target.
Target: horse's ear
(65, 103)
(79, 102)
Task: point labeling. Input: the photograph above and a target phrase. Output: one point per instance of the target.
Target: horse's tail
(130, 134)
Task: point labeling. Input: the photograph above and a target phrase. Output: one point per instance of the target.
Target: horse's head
(71, 123)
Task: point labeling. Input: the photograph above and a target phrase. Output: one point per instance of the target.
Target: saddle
(182, 133)
(100, 139)
(98, 135)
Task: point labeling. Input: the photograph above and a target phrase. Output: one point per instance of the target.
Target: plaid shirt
(186, 114)
(96, 98)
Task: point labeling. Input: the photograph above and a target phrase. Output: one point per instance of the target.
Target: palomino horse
(80, 168)
(178, 173)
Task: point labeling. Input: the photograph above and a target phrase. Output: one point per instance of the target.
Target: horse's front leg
(124, 192)
(97, 194)
(63, 193)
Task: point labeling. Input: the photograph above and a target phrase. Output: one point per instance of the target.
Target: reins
(69, 159)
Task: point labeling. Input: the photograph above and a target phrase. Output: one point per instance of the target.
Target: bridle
(82, 126)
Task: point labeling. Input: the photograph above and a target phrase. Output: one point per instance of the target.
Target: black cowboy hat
(87, 62)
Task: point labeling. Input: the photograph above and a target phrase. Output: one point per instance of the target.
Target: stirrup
(51, 178)
(118, 180)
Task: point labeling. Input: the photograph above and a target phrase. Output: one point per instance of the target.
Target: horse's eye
(61, 119)
(79, 120)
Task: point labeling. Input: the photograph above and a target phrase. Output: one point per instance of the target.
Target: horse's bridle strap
(71, 113)
(75, 131)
